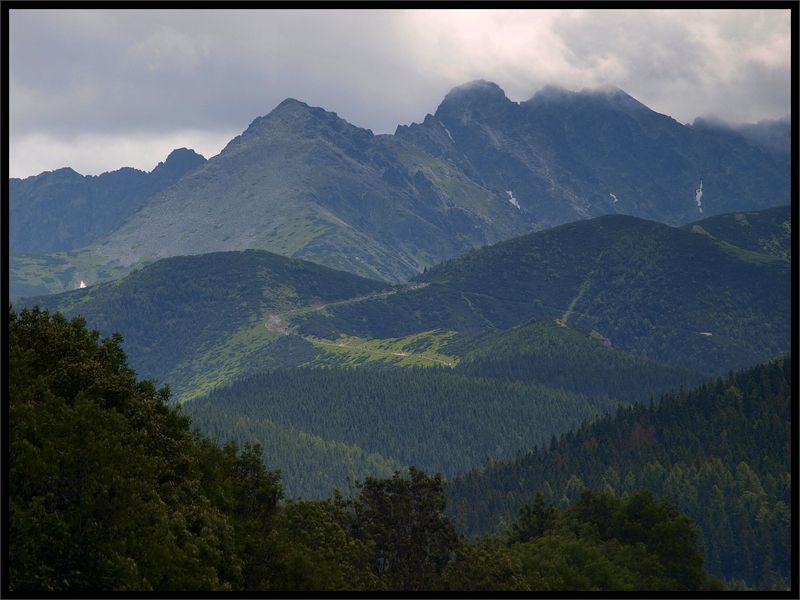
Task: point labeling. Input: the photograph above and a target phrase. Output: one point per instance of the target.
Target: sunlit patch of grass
(417, 350)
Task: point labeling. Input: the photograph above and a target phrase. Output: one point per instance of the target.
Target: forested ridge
(190, 320)
(549, 353)
(682, 299)
(431, 418)
(677, 297)
(111, 490)
(722, 452)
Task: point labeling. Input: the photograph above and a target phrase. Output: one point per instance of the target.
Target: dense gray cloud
(98, 89)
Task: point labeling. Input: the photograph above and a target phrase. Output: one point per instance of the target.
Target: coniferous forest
(337, 433)
(111, 489)
(721, 452)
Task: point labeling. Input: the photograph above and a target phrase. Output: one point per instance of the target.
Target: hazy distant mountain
(302, 182)
(63, 210)
(773, 135)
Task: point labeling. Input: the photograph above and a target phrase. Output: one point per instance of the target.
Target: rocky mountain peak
(180, 160)
(475, 94)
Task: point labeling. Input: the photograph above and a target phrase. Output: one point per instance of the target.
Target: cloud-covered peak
(609, 95)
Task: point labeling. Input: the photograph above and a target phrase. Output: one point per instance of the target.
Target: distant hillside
(766, 231)
(302, 182)
(721, 452)
(310, 466)
(558, 356)
(197, 321)
(685, 301)
(54, 214)
(674, 296)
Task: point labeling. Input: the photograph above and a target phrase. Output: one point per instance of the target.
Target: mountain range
(515, 295)
(677, 296)
(304, 183)
(62, 210)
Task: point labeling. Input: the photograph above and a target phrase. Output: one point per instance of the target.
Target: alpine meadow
(537, 340)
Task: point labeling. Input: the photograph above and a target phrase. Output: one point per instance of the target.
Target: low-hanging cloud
(128, 78)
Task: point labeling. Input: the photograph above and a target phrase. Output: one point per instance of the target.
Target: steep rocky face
(565, 155)
(302, 182)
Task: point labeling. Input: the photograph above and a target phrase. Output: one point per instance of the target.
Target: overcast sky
(101, 89)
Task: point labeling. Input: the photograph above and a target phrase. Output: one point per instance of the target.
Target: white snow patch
(447, 131)
(613, 197)
(698, 195)
(513, 200)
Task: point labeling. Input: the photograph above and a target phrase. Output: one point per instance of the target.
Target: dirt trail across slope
(277, 323)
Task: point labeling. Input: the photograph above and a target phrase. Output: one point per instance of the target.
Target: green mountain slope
(433, 419)
(310, 466)
(671, 295)
(721, 452)
(201, 322)
(766, 231)
(553, 354)
(198, 321)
